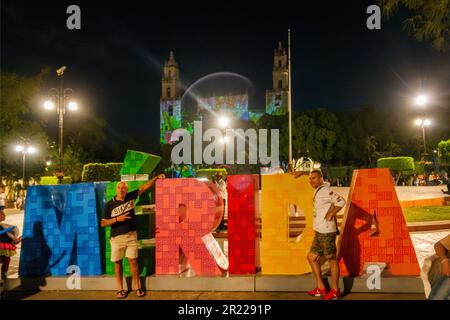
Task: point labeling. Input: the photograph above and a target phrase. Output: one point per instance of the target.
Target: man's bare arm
(107, 222)
(110, 222)
(149, 184)
(332, 212)
(298, 174)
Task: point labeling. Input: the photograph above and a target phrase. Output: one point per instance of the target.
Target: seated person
(441, 288)
(9, 238)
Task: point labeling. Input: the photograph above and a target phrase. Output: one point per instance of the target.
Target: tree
(429, 20)
(89, 137)
(72, 162)
(16, 124)
(392, 149)
(371, 147)
(314, 134)
(444, 152)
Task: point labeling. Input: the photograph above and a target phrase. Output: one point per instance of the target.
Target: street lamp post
(224, 122)
(25, 150)
(423, 123)
(289, 96)
(61, 97)
(421, 100)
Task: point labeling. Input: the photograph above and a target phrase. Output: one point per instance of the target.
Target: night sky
(114, 62)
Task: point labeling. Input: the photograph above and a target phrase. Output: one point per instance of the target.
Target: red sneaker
(333, 295)
(317, 292)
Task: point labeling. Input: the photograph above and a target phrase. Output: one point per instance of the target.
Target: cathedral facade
(237, 105)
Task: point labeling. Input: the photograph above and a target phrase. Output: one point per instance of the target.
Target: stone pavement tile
(423, 243)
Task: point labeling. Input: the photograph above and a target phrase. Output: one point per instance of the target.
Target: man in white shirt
(327, 204)
(2, 198)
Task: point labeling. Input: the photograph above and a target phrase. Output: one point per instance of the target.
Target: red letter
(186, 211)
(241, 223)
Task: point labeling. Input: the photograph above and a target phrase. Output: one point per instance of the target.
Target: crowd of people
(433, 179)
(15, 194)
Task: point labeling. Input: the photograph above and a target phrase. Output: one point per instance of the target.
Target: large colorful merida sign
(57, 234)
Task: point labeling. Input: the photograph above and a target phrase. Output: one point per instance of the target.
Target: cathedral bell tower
(277, 97)
(170, 103)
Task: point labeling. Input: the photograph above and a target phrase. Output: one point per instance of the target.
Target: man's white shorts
(124, 245)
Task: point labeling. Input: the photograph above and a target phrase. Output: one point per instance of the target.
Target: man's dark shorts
(324, 244)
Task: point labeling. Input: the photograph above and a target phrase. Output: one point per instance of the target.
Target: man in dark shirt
(120, 215)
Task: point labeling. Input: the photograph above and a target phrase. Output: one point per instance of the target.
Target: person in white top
(2, 198)
(327, 204)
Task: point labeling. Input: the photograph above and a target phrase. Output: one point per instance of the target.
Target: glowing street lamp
(29, 149)
(73, 106)
(49, 105)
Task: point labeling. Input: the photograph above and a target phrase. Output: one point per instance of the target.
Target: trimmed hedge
(209, 173)
(396, 163)
(49, 180)
(341, 172)
(444, 152)
(101, 172)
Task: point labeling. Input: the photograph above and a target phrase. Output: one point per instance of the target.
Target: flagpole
(289, 96)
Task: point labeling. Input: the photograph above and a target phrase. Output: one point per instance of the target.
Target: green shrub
(341, 172)
(397, 164)
(444, 152)
(209, 173)
(101, 172)
(49, 180)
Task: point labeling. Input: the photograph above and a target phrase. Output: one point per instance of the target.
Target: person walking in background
(20, 201)
(2, 198)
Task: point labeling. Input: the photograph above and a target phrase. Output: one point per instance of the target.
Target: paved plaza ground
(186, 295)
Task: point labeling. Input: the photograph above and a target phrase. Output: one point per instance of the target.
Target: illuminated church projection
(235, 105)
